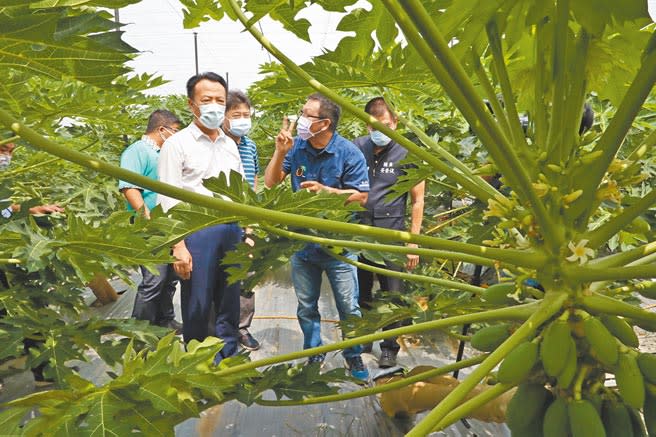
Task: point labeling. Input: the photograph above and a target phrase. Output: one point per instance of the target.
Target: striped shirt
(249, 159)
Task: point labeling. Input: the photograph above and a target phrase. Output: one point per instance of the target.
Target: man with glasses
(320, 159)
(154, 298)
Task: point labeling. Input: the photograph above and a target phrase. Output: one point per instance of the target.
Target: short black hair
(377, 107)
(236, 98)
(208, 75)
(327, 109)
(161, 117)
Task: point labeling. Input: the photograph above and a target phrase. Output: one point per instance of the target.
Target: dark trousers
(387, 283)
(154, 299)
(208, 287)
(246, 311)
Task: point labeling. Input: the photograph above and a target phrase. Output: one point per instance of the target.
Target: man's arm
(416, 218)
(134, 197)
(356, 196)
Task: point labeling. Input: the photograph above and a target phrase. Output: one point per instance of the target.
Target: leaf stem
(9, 140)
(588, 274)
(520, 312)
(598, 303)
(411, 277)
(471, 405)
(380, 388)
(10, 261)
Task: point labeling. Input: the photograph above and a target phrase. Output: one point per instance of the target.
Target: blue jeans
(307, 267)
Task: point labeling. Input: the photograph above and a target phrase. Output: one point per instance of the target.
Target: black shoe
(387, 358)
(248, 342)
(320, 358)
(173, 325)
(367, 348)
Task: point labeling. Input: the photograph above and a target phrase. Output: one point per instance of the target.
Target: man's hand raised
(284, 139)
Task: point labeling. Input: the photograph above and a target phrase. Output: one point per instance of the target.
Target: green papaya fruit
(584, 421)
(630, 382)
(551, 348)
(498, 294)
(556, 420)
(490, 337)
(527, 407)
(518, 363)
(620, 329)
(616, 419)
(603, 345)
(649, 413)
(647, 365)
(566, 376)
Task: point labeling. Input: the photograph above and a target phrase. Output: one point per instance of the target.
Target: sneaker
(367, 348)
(316, 359)
(387, 358)
(357, 368)
(248, 342)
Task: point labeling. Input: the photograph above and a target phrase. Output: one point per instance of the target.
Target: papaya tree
(573, 213)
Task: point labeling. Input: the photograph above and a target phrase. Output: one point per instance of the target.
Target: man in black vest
(383, 161)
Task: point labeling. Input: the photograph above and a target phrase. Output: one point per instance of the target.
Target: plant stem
(520, 312)
(471, 405)
(482, 260)
(516, 257)
(9, 140)
(559, 71)
(598, 303)
(589, 274)
(603, 233)
(551, 304)
(611, 140)
(478, 188)
(518, 136)
(624, 258)
(410, 277)
(381, 388)
(10, 261)
(477, 115)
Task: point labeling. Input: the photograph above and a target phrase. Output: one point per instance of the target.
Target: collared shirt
(189, 156)
(338, 165)
(384, 170)
(249, 159)
(141, 157)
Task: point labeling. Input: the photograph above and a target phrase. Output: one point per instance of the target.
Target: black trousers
(387, 283)
(154, 298)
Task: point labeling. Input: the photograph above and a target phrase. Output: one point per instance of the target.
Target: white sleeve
(169, 169)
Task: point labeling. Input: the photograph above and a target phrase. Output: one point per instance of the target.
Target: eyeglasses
(171, 128)
(302, 114)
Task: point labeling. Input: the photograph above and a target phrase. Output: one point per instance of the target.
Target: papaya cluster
(561, 375)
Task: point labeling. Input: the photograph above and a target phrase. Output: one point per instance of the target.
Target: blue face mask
(380, 139)
(211, 115)
(240, 126)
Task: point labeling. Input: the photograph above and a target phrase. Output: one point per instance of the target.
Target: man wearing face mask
(384, 158)
(320, 159)
(154, 298)
(237, 125)
(197, 152)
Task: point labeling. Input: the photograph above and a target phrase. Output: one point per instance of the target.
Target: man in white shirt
(197, 152)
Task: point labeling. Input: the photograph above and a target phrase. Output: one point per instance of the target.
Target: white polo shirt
(189, 156)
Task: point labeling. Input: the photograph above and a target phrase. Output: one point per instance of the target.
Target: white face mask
(303, 128)
(211, 115)
(380, 139)
(240, 126)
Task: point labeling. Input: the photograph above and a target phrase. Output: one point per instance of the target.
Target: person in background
(320, 159)
(154, 298)
(384, 158)
(237, 125)
(201, 151)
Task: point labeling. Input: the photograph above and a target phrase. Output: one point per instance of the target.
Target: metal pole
(196, 50)
(228, 79)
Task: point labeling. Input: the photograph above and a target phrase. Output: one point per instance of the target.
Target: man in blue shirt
(237, 125)
(319, 159)
(154, 298)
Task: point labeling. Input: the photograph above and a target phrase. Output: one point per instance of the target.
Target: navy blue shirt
(339, 165)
